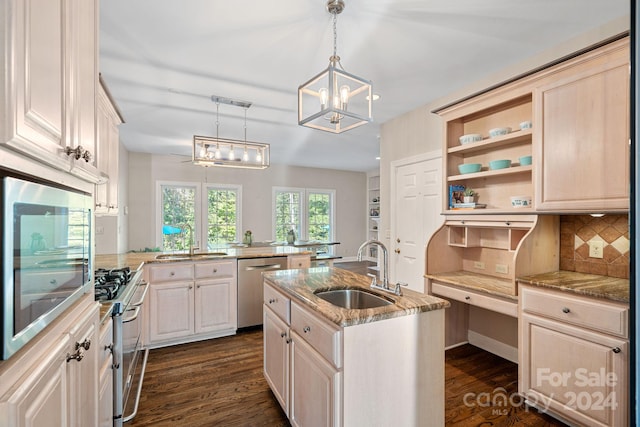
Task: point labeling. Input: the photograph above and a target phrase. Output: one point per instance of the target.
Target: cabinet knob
(508, 223)
(86, 344)
(77, 356)
(616, 350)
(53, 282)
(172, 273)
(272, 300)
(398, 240)
(283, 334)
(467, 297)
(215, 270)
(397, 251)
(288, 340)
(87, 156)
(306, 329)
(566, 310)
(198, 286)
(190, 287)
(299, 264)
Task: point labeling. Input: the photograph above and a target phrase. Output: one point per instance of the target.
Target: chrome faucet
(385, 265)
(192, 247)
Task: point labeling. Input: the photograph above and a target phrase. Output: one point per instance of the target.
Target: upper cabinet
(564, 145)
(51, 70)
(583, 144)
(109, 118)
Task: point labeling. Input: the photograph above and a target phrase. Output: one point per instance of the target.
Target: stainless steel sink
(179, 257)
(354, 298)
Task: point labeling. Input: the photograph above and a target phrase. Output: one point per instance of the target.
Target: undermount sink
(354, 298)
(194, 256)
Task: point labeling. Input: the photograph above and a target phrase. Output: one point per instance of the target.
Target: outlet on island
(502, 268)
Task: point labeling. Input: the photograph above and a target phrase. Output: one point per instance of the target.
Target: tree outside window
(178, 210)
(309, 212)
(222, 216)
(288, 206)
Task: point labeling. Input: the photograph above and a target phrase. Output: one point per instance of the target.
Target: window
(187, 216)
(222, 215)
(309, 212)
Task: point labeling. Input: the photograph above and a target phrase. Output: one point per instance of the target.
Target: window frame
(205, 210)
(304, 209)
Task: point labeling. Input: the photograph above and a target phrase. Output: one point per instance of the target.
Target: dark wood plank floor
(220, 383)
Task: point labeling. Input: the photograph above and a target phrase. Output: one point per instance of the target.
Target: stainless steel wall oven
(46, 254)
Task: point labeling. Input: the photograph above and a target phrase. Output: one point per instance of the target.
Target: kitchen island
(329, 365)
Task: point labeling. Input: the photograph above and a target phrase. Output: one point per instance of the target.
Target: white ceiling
(163, 59)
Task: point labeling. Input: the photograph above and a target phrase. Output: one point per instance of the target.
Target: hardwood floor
(220, 383)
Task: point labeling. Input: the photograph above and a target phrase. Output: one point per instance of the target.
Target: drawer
(590, 313)
(208, 270)
(104, 345)
(276, 301)
(322, 336)
(510, 308)
(298, 261)
(171, 273)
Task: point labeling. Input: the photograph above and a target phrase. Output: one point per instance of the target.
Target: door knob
(397, 251)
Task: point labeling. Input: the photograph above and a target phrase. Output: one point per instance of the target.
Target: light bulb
(324, 97)
(218, 154)
(344, 95)
(245, 156)
(259, 156)
(232, 155)
(203, 151)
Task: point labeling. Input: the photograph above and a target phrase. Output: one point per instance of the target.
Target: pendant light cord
(335, 39)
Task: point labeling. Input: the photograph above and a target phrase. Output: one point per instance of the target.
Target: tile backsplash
(576, 231)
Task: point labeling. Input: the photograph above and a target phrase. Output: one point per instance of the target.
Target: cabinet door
(584, 154)
(216, 305)
(105, 397)
(170, 310)
(276, 356)
(577, 373)
(313, 379)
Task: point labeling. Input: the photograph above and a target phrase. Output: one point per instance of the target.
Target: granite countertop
(592, 285)
(135, 260)
(478, 282)
(301, 284)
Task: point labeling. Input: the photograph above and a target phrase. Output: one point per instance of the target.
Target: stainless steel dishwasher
(250, 287)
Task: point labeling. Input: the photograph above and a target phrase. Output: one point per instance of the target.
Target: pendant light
(217, 151)
(335, 100)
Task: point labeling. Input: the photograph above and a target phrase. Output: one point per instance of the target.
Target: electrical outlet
(478, 265)
(596, 248)
(502, 268)
(99, 230)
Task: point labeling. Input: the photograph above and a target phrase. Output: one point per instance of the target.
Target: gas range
(110, 282)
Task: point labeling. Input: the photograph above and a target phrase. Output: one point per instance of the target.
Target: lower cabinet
(191, 301)
(574, 357)
(321, 373)
(61, 389)
(105, 366)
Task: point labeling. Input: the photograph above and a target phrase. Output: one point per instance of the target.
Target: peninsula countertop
(302, 283)
(135, 260)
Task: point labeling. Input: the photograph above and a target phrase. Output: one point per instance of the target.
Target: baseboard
(493, 346)
(456, 345)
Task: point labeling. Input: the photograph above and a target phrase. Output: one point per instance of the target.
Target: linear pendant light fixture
(335, 100)
(226, 152)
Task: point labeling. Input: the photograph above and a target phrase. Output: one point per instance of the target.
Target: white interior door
(415, 216)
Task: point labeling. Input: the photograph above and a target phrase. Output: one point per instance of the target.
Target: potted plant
(469, 195)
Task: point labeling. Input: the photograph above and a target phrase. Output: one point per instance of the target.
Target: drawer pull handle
(215, 270)
(306, 329)
(288, 340)
(566, 310)
(172, 274)
(272, 300)
(616, 350)
(467, 297)
(283, 334)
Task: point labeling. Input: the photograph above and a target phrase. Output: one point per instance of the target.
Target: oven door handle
(263, 267)
(144, 294)
(133, 317)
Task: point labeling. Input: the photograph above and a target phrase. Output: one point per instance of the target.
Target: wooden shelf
(488, 173)
(512, 211)
(516, 137)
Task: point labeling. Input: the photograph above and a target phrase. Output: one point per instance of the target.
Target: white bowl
(471, 137)
(520, 201)
(526, 125)
(499, 131)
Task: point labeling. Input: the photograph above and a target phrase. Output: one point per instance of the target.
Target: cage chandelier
(335, 100)
(226, 152)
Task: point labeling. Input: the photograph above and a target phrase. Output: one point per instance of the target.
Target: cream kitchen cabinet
(582, 148)
(105, 362)
(62, 387)
(51, 72)
(574, 356)
(109, 118)
(191, 301)
(298, 261)
(320, 372)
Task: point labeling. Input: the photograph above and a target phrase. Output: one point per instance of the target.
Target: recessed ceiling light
(378, 158)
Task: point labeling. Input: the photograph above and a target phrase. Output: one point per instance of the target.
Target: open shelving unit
(373, 216)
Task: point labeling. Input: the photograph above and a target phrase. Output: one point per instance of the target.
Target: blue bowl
(469, 167)
(499, 164)
(525, 160)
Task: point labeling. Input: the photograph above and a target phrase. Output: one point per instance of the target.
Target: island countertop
(592, 285)
(301, 285)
